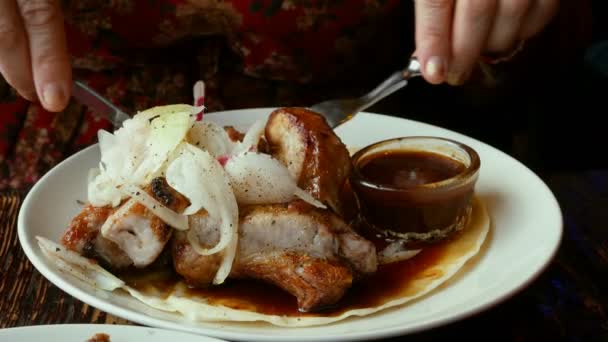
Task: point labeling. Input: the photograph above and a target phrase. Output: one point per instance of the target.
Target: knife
(98, 104)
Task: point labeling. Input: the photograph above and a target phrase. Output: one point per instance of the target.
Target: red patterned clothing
(250, 53)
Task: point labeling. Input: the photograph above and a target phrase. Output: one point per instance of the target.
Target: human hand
(451, 35)
(33, 51)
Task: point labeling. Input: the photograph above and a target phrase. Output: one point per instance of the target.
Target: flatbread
(454, 255)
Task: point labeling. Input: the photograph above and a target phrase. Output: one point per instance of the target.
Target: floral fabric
(250, 53)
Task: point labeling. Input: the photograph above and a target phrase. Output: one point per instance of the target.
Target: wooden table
(568, 301)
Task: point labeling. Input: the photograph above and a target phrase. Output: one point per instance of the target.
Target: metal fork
(335, 111)
(97, 103)
(338, 111)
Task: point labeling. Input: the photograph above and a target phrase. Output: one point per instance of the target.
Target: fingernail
(435, 68)
(53, 95)
(455, 78)
(30, 96)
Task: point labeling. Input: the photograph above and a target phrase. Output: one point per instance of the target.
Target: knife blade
(98, 104)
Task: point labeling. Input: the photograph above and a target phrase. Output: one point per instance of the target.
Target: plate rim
(101, 327)
(153, 322)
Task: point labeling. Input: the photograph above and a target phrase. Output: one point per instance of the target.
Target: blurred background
(545, 108)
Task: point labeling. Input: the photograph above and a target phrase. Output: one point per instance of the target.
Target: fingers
(48, 51)
(433, 37)
(14, 51)
(451, 35)
(505, 32)
(473, 20)
(540, 14)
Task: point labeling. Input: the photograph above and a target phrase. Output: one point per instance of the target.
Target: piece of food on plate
(235, 211)
(140, 233)
(309, 252)
(101, 337)
(312, 152)
(129, 234)
(83, 236)
(163, 172)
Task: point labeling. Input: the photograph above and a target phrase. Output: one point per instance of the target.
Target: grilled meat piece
(316, 283)
(308, 252)
(137, 231)
(302, 228)
(312, 152)
(198, 270)
(82, 236)
(134, 237)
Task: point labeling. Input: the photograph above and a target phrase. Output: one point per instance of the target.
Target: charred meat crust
(160, 191)
(312, 152)
(237, 136)
(234, 134)
(85, 227)
(82, 236)
(164, 193)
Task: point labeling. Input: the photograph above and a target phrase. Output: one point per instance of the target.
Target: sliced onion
(116, 215)
(198, 175)
(137, 151)
(228, 259)
(170, 217)
(197, 109)
(306, 197)
(396, 252)
(251, 139)
(101, 190)
(80, 267)
(258, 178)
(210, 137)
(167, 133)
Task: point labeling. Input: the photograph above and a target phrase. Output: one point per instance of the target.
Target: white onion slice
(170, 217)
(197, 109)
(258, 178)
(80, 267)
(396, 252)
(137, 151)
(251, 139)
(228, 259)
(210, 137)
(116, 215)
(199, 176)
(167, 133)
(306, 197)
(101, 190)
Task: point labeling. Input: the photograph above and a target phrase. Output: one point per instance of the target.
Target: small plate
(526, 231)
(83, 332)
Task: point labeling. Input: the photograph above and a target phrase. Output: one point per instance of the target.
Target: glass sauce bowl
(416, 190)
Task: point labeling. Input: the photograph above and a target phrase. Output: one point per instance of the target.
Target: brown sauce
(407, 169)
(389, 282)
(398, 195)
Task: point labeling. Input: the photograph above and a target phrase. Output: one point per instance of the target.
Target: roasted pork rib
(310, 253)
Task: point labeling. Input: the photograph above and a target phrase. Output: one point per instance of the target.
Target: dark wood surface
(26, 297)
(569, 301)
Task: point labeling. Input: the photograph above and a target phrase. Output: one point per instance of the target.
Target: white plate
(82, 332)
(527, 228)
